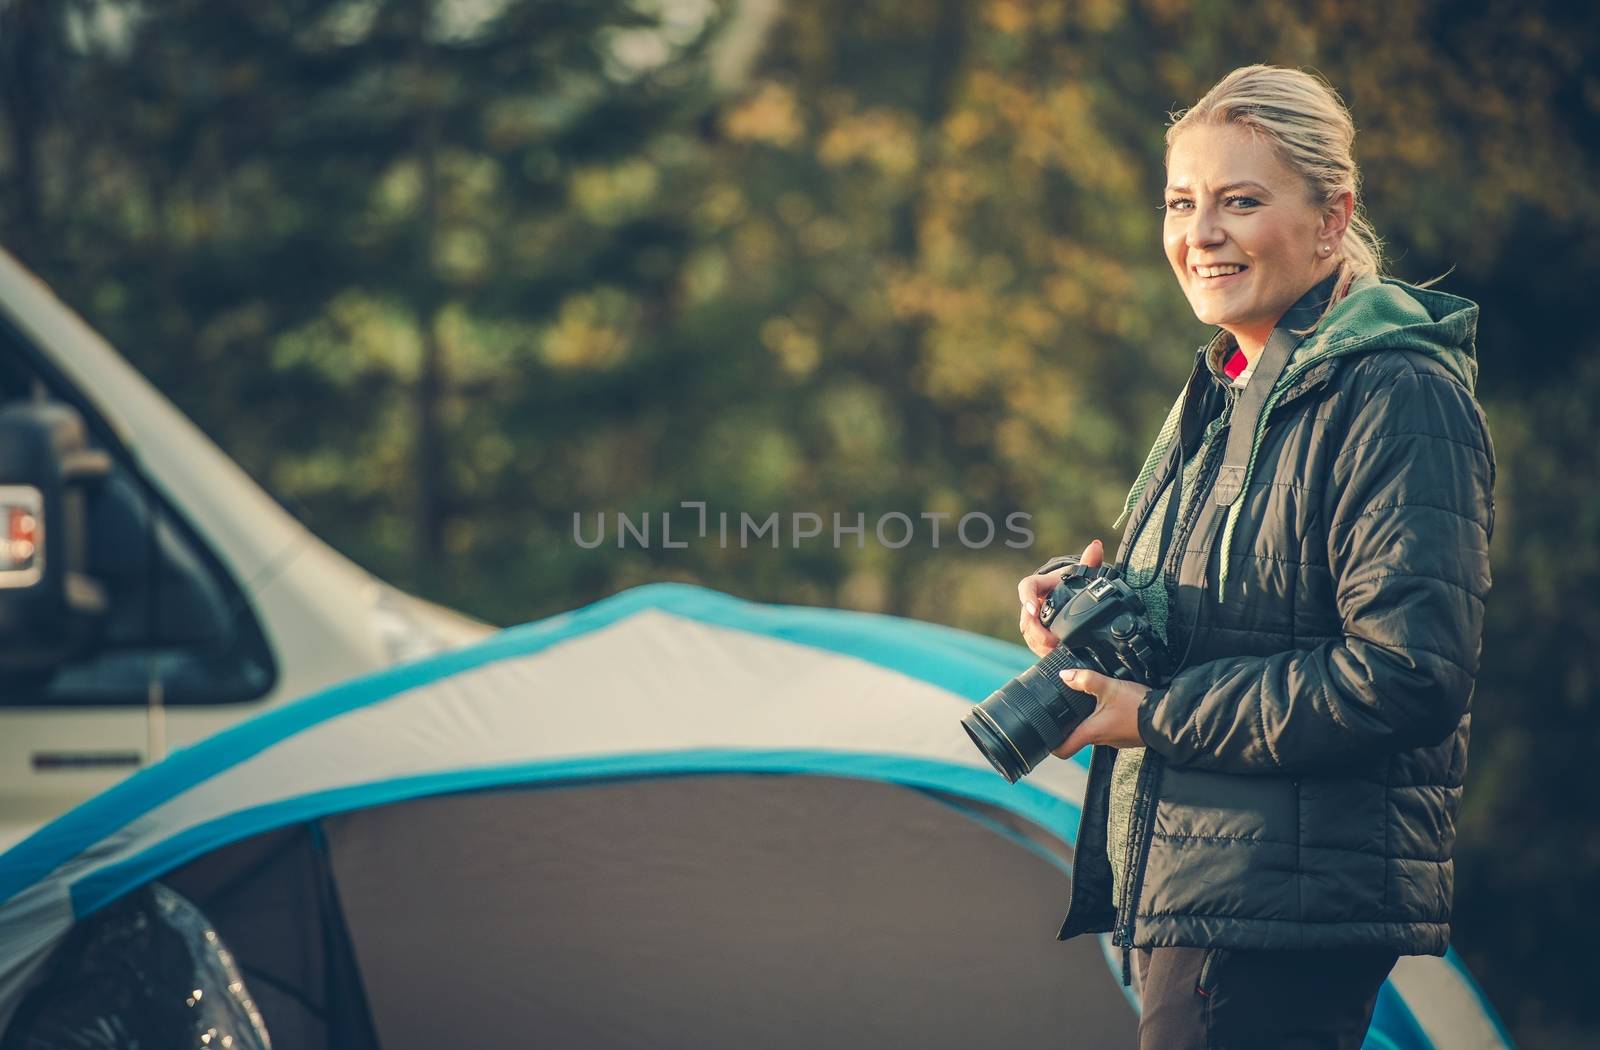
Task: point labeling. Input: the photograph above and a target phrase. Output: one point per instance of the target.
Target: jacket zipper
(1141, 824)
(1141, 830)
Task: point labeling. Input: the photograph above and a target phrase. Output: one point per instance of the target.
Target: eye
(1178, 204)
(1243, 202)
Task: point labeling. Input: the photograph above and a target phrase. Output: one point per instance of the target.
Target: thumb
(1094, 555)
(1085, 681)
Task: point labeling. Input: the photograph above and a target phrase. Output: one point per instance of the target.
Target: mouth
(1218, 275)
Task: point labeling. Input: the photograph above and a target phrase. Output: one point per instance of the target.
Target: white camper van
(150, 592)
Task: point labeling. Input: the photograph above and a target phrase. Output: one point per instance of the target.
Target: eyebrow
(1242, 184)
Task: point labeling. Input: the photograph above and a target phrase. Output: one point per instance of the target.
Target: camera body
(1102, 626)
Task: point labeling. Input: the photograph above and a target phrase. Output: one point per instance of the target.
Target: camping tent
(672, 818)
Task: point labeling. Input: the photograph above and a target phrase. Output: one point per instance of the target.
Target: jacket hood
(1382, 313)
(1376, 314)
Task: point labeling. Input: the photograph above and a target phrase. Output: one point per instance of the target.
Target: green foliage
(442, 275)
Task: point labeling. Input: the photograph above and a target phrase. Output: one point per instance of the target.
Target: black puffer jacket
(1304, 767)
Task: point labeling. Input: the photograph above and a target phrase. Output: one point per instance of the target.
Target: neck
(1253, 340)
(1250, 342)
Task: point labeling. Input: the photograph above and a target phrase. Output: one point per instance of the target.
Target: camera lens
(1101, 626)
(1020, 723)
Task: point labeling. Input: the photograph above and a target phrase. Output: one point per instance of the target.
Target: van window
(177, 625)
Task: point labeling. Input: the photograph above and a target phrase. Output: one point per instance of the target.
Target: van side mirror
(49, 606)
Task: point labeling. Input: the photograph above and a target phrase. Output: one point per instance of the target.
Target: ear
(1336, 220)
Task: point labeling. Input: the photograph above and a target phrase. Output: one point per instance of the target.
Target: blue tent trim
(1460, 967)
(1398, 1025)
(966, 664)
(1048, 811)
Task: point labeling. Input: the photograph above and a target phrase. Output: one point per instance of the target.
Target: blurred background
(441, 275)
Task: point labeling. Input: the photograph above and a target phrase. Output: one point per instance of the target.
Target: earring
(1326, 248)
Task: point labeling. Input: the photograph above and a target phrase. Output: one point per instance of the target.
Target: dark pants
(1227, 999)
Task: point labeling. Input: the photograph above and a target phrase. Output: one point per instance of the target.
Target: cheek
(1172, 241)
(1285, 246)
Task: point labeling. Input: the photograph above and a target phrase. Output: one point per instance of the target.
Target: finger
(1031, 589)
(1078, 739)
(1039, 640)
(1086, 681)
(1094, 555)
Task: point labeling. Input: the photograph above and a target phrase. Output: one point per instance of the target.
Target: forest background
(442, 275)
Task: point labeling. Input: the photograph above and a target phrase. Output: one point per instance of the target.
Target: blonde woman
(1264, 834)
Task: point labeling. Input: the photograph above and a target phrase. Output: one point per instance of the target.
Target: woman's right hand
(1033, 590)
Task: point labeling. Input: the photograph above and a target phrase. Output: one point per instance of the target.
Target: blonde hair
(1309, 127)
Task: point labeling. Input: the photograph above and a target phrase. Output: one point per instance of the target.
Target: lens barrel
(1030, 716)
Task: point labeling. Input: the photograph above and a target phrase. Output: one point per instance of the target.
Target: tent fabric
(837, 873)
(669, 699)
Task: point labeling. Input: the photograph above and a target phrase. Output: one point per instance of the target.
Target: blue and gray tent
(672, 818)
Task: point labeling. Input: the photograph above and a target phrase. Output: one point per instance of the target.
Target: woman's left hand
(1116, 712)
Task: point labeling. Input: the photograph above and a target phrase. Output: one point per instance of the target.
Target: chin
(1207, 313)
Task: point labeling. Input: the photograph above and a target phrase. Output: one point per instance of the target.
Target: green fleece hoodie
(1375, 314)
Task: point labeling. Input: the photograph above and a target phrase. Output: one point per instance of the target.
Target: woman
(1269, 830)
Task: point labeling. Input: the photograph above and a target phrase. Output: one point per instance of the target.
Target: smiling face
(1241, 231)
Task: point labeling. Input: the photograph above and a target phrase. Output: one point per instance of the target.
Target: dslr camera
(1102, 626)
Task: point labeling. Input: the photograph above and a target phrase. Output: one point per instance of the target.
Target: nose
(1205, 231)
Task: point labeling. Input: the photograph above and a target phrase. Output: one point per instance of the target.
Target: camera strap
(1247, 414)
(1228, 486)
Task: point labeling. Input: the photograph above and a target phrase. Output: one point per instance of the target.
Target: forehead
(1210, 155)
